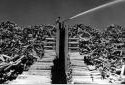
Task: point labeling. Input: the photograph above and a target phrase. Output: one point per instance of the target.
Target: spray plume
(96, 8)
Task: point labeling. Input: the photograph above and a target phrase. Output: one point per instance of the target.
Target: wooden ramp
(81, 73)
(39, 72)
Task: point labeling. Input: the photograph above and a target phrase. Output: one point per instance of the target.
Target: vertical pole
(62, 44)
(62, 52)
(68, 70)
(57, 39)
(63, 49)
(66, 49)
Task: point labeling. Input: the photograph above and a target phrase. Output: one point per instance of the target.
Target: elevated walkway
(39, 72)
(81, 73)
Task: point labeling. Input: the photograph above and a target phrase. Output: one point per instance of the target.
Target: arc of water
(96, 8)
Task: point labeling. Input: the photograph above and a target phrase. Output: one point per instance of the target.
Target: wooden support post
(57, 39)
(68, 71)
(62, 44)
(62, 52)
(66, 49)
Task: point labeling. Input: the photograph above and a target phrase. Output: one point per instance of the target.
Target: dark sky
(114, 14)
(30, 12)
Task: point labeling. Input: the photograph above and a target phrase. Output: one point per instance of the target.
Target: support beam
(62, 63)
(57, 39)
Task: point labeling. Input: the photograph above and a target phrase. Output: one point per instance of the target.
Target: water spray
(96, 8)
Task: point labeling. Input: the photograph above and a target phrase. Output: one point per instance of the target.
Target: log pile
(102, 49)
(20, 47)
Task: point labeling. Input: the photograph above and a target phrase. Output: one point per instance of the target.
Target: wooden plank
(41, 67)
(78, 64)
(52, 43)
(77, 58)
(46, 60)
(73, 47)
(79, 68)
(50, 38)
(68, 42)
(38, 72)
(80, 73)
(31, 79)
(81, 77)
(82, 80)
(44, 64)
(48, 54)
(73, 42)
(81, 63)
(49, 47)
